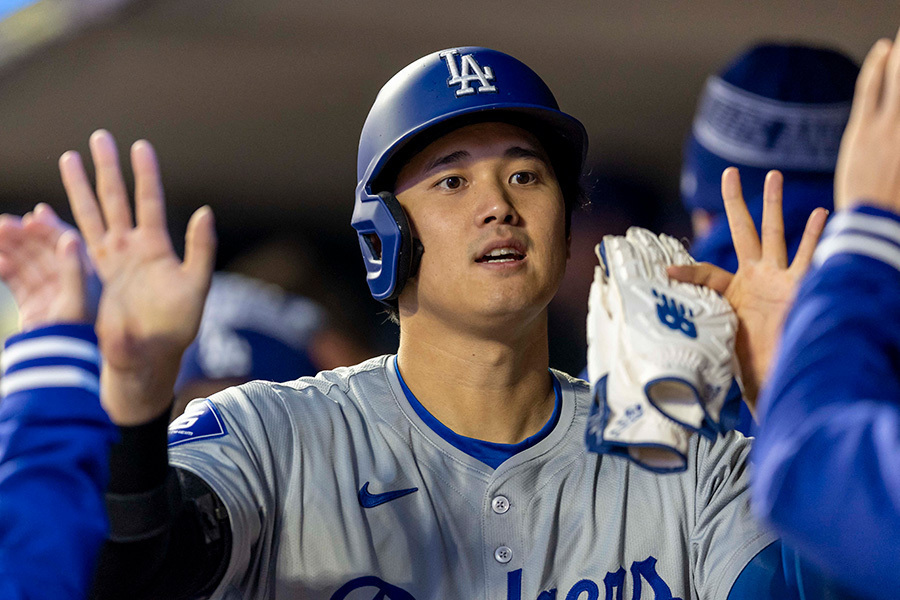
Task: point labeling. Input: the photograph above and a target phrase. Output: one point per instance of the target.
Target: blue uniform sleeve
(778, 573)
(54, 449)
(827, 457)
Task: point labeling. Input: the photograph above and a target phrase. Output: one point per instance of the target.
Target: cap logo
(467, 72)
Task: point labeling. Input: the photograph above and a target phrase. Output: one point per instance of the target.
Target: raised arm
(168, 534)
(828, 449)
(152, 301)
(54, 436)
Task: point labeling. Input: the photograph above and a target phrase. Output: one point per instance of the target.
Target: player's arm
(828, 449)
(779, 573)
(54, 449)
(54, 435)
(149, 311)
(170, 536)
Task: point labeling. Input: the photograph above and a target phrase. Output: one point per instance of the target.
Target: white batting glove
(662, 344)
(622, 421)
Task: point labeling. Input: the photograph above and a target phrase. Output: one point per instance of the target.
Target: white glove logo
(672, 315)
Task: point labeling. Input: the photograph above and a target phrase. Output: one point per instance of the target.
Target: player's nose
(495, 206)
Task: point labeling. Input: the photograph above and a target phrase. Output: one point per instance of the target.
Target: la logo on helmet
(467, 72)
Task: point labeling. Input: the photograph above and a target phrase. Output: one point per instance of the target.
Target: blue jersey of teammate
(54, 448)
(828, 452)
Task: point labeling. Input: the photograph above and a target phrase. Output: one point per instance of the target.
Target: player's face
(487, 207)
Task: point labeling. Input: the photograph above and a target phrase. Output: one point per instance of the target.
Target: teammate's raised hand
(763, 287)
(42, 260)
(151, 303)
(868, 167)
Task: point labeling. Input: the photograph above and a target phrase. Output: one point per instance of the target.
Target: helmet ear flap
(411, 249)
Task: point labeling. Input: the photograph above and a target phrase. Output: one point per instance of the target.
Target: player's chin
(515, 302)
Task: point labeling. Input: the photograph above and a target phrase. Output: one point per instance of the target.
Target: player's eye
(523, 178)
(452, 182)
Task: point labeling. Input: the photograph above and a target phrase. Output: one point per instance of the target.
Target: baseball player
(828, 449)
(54, 435)
(453, 469)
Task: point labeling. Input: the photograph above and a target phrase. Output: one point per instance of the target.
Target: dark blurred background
(255, 108)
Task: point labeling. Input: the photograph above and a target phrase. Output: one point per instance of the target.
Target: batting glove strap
(635, 431)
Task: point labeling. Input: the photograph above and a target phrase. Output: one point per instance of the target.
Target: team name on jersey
(467, 72)
(642, 574)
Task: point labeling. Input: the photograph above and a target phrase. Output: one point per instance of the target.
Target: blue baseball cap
(251, 330)
(776, 106)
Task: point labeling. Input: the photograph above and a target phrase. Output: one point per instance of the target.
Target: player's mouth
(502, 252)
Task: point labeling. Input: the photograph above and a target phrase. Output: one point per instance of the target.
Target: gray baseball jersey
(336, 489)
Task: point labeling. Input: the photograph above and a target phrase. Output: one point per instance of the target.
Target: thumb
(200, 245)
(704, 274)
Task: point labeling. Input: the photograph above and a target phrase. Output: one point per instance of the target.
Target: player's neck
(497, 390)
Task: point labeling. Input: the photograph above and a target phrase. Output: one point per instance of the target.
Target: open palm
(151, 303)
(762, 289)
(42, 262)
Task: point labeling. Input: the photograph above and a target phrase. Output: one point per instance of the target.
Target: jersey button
(503, 554)
(500, 504)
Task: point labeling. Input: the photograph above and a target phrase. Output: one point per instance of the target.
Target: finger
(44, 213)
(81, 198)
(10, 234)
(149, 202)
(110, 185)
(38, 245)
(10, 225)
(870, 80)
(772, 237)
(743, 231)
(46, 216)
(71, 304)
(891, 85)
(200, 245)
(46, 225)
(20, 269)
(811, 234)
(704, 274)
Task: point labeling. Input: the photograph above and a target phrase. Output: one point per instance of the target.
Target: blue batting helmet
(435, 94)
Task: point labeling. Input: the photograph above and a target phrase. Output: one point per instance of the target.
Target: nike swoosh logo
(369, 500)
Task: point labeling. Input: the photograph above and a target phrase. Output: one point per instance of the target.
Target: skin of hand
(868, 167)
(763, 287)
(44, 264)
(151, 302)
